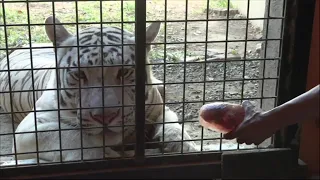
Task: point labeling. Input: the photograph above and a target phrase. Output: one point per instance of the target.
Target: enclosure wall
(257, 9)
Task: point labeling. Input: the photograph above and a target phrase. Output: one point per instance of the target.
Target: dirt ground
(204, 81)
(196, 72)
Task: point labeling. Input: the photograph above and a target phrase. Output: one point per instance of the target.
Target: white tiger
(68, 99)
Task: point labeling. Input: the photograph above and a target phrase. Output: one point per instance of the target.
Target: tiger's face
(105, 74)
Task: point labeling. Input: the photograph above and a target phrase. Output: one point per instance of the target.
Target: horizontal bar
(88, 128)
(111, 146)
(147, 104)
(126, 145)
(132, 22)
(214, 152)
(159, 43)
(131, 85)
(207, 164)
(167, 63)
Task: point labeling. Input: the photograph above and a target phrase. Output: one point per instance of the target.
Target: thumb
(229, 135)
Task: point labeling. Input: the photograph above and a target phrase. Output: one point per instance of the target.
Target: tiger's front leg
(49, 142)
(159, 85)
(173, 132)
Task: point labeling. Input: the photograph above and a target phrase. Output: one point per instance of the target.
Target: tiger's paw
(109, 153)
(148, 152)
(177, 147)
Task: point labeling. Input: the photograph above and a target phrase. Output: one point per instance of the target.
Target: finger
(248, 142)
(240, 141)
(248, 107)
(257, 142)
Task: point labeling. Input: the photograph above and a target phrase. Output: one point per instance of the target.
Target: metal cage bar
(140, 56)
(57, 80)
(130, 22)
(245, 55)
(278, 69)
(205, 69)
(122, 67)
(9, 80)
(164, 66)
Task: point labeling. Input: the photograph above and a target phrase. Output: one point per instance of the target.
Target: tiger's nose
(101, 119)
(107, 116)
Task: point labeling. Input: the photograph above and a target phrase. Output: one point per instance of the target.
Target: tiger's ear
(152, 32)
(61, 33)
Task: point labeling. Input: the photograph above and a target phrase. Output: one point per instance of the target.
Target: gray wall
(256, 10)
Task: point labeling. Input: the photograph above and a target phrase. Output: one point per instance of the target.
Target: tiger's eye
(121, 73)
(79, 74)
(82, 75)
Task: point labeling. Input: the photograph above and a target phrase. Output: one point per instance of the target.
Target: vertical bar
(164, 68)
(265, 53)
(140, 56)
(122, 89)
(102, 75)
(225, 64)
(245, 56)
(78, 54)
(184, 73)
(57, 78)
(280, 55)
(33, 88)
(205, 66)
(9, 80)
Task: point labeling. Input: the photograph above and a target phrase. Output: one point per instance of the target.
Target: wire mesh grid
(186, 66)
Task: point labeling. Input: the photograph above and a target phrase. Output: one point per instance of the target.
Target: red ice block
(221, 116)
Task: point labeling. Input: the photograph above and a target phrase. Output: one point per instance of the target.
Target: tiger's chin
(100, 131)
(115, 125)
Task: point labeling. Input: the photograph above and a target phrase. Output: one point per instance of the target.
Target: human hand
(255, 128)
